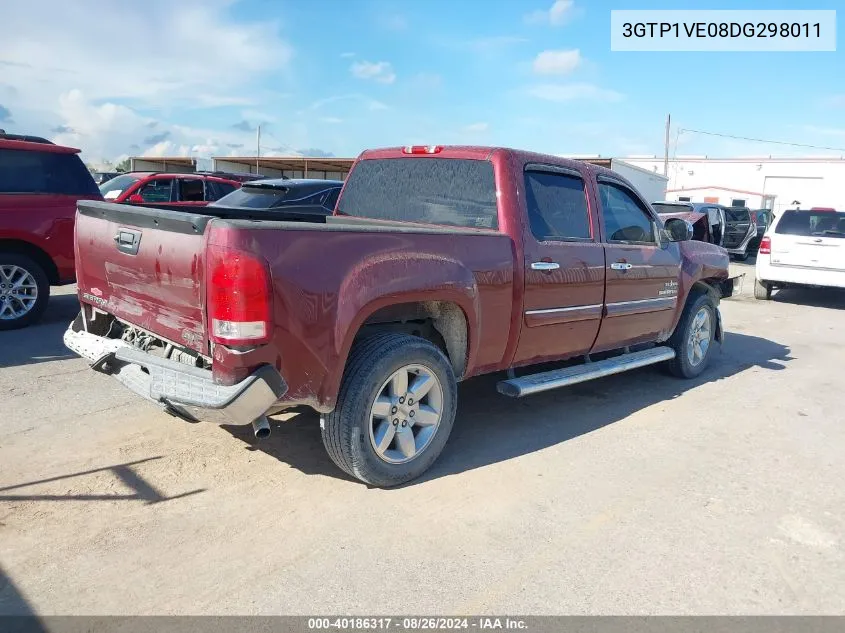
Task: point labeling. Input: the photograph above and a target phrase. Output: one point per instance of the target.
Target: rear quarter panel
(328, 280)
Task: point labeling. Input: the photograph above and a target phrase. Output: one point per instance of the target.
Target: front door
(564, 267)
(642, 272)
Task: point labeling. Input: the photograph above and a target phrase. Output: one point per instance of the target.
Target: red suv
(40, 184)
(170, 190)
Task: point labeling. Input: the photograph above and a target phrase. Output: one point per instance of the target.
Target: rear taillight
(239, 297)
(766, 246)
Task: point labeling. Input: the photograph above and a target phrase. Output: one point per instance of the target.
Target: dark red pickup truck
(440, 263)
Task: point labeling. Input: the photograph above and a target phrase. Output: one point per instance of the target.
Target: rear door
(642, 273)
(740, 227)
(564, 267)
(809, 239)
(158, 190)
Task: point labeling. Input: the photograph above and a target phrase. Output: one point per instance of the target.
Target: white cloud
(333, 120)
(156, 52)
(559, 13)
(557, 62)
(381, 72)
(563, 93)
(96, 76)
(476, 127)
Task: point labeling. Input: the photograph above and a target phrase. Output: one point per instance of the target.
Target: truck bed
(327, 277)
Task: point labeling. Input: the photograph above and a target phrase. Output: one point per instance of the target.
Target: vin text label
(722, 31)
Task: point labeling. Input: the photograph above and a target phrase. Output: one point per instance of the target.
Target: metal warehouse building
(773, 183)
(176, 164)
(289, 166)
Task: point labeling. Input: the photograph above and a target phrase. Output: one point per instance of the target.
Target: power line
(761, 140)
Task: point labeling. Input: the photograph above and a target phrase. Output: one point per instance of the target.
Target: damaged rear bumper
(186, 391)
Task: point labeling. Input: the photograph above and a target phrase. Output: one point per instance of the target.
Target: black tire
(346, 430)
(42, 286)
(741, 258)
(681, 366)
(762, 290)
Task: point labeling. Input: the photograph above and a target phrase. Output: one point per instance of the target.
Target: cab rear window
(807, 223)
(446, 191)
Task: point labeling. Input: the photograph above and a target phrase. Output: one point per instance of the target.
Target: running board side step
(535, 383)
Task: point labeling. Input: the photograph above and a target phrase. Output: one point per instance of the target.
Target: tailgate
(145, 266)
(811, 251)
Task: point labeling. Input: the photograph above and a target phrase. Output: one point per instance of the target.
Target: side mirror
(136, 199)
(677, 230)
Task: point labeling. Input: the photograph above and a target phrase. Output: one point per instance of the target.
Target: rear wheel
(394, 412)
(693, 339)
(762, 290)
(741, 258)
(24, 291)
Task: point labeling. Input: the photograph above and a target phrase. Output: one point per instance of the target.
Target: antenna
(257, 148)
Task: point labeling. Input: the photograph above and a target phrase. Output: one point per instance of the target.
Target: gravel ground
(634, 494)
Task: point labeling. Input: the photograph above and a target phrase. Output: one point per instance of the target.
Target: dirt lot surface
(636, 494)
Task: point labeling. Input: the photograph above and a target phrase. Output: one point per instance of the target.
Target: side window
(191, 190)
(557, 206)
(331, 199)
(625, 218)
(156, 190)
(216, 189)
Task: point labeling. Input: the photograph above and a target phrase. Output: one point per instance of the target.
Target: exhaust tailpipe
(261, 428)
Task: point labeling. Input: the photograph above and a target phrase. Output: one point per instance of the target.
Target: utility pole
(666, 148)
(258, 148)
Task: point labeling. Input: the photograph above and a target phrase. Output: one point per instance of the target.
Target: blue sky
(339, 76)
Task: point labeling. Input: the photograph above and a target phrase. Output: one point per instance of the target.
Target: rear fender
(390, 279)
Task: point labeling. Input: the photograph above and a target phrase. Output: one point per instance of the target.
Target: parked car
(802, 248)
(440, 263)
(104, 176)
(167, 190)
(708, 220)
(40, 184)
(296, 197)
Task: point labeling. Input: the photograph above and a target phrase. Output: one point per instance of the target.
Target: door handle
(621, 266)
(545, 266)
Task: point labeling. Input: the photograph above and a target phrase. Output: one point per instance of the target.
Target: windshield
(666, 207)
(447, 191)
(818, 223)
(737, 215)
(111, 189)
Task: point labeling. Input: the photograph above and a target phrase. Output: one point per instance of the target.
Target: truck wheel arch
(445, 322)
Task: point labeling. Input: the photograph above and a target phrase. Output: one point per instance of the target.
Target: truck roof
(479, 152)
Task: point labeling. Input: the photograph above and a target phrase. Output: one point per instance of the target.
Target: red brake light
(423, 149)
(766, 246)
(239, 297)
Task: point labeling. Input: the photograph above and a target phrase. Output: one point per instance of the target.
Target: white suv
(802, 248)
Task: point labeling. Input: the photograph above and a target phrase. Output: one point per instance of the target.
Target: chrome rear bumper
(179, 387)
